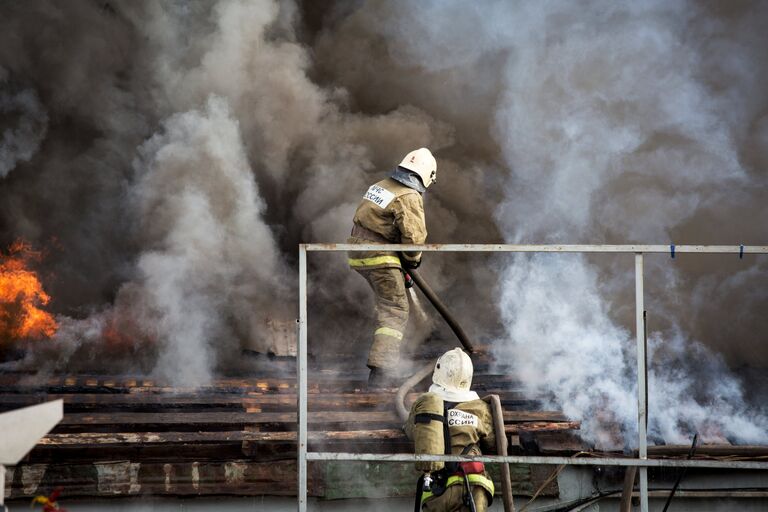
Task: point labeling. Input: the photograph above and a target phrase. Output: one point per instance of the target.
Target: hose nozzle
(427, 482)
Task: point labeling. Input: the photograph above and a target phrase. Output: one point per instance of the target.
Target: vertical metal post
(301, 377)
(2, 485)
(642, 398)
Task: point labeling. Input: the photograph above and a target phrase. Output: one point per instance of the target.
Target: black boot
(380, 379)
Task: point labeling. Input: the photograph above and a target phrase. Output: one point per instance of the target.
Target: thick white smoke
(208, 216)
(201, 284)
(618, 123)
(581, 125)
(191, 146)
(561, 340)
(23, 124)
(307, 153)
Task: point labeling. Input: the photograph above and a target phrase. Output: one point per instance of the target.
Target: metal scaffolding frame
(642, 462)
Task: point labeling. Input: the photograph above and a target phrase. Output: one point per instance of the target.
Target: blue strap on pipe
(741, 251)
(672, 250)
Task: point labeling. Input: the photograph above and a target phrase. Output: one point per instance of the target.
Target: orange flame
(20, 295)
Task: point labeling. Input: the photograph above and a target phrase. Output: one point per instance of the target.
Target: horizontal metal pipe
(711, 450)
(659, 249)
(710, 494)
(522, 459)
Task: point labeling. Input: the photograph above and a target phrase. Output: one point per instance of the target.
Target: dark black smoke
(173, 154)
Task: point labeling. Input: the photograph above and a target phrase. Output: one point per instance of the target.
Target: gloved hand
(411, 264)
(408, 280)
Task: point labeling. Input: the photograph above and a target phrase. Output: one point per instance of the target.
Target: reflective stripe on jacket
(470, 425)
(394, 213)
(474, 479)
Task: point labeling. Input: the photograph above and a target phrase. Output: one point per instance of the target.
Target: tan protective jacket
(472, 424)
(390, 212)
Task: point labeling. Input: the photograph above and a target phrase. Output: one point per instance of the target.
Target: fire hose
(423, 372)
(493, 400)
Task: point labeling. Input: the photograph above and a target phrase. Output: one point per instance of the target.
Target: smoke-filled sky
(169, 157)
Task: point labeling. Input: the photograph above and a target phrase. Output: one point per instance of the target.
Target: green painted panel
(358, 479)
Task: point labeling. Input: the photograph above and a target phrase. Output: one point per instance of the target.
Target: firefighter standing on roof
(451, 419)
(391, 212)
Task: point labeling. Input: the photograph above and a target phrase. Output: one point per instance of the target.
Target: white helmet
(422, 163)
(452, 377)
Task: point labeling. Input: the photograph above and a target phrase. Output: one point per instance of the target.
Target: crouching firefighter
(451, 419)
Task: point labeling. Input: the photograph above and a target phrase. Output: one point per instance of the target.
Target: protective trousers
(391, 316)
(452, 500)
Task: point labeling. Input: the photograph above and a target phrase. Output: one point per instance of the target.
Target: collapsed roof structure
(135, 437)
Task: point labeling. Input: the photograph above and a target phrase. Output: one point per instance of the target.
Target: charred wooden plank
(238, 419)
(318, 382)
(710, 450)
(542, 426)
(226, 419)
(558, 443)
(97, 438)
(317, 400)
